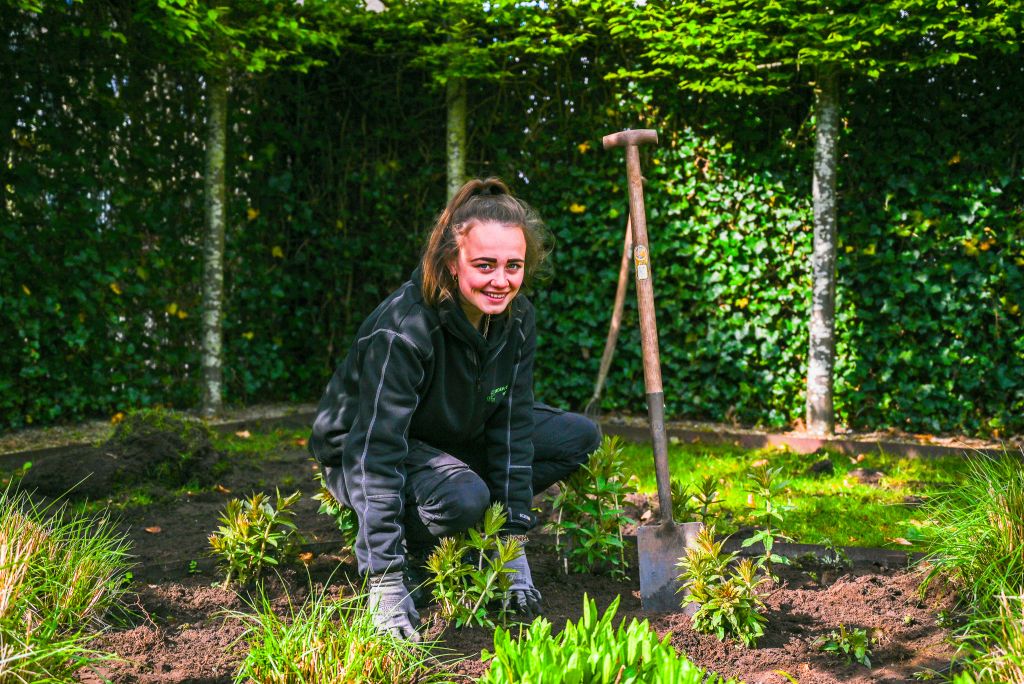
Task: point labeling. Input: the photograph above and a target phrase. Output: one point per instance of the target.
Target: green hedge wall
(335, 176)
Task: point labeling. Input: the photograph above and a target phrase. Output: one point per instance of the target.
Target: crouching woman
(430, 417)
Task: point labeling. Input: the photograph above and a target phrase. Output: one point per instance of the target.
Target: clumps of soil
(151, 447)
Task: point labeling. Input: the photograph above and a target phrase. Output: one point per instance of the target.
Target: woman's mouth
(495, 297)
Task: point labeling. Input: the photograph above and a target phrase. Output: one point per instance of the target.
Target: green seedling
(255, 534)
(193, 567)
(767, 489)
(588, 526)
(855, 644)
(468, 572)
(726, 592)
(591, 650)
(344, 517)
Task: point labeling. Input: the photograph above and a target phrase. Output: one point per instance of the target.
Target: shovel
(661, 545)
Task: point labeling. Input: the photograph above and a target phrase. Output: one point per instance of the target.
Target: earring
(455, 277)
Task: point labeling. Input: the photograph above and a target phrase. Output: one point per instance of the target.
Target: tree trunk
(213, 242)
(821, 359)
(456, 102)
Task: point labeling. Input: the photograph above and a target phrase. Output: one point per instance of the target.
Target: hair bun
(492, 186)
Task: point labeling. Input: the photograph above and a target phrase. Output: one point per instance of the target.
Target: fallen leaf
(155, 529)
(301, 441)
(901, 541)
(647, 515)
(244, 434)
(116, 418)
(222, 489)
(306, 557)
(760, 463)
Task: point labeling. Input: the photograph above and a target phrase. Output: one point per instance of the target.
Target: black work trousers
(445, 494)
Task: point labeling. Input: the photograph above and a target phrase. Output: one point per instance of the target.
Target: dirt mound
(147, 447)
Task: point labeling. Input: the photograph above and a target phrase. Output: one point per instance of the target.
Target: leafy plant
(344, 517)
(255, 533)
(328, 640)
(729, 604)
(767, 488)
(854, 643)
(695, 504)
(61, 575)
(468, 571)
(590, 651)
(590, 518)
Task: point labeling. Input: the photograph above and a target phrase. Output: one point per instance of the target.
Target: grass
(61, 575)
(328, 640)
(826, 509)
(977, 537)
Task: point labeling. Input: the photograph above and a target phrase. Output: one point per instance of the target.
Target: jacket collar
(454, 320)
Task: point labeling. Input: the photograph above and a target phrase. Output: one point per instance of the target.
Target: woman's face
(489, 267)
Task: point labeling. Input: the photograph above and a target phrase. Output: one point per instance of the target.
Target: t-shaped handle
(640, 136)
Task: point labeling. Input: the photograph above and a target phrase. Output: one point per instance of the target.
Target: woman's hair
(479, 201)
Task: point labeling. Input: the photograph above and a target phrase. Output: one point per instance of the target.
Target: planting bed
(178, 632)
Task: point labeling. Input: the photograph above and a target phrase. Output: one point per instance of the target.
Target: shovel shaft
(649, 331)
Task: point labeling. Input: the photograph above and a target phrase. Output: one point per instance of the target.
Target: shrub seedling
(254, 534)
(854, 643)
(468, 571)
(344, 517)
(590, 518)
(767, 489)
(729, 603)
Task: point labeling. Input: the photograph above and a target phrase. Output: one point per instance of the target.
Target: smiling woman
(430, 418)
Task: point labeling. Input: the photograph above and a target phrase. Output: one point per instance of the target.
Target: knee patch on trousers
(460, 506)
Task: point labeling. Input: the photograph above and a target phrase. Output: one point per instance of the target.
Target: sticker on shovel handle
(643, 269)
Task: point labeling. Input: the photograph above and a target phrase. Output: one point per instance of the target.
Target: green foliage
(694, 504)
(61, 575)
(768, 512)
(590, 516)
(327, 206)
(328, 639)
(255, 534)
(728, 598)
(468, 574)
(976, 535)
(344, 517)
(854, 644)
(590, 651)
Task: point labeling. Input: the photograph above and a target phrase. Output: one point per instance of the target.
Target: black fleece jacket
(425, 373)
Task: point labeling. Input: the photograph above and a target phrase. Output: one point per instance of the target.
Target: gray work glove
(392, 607)
(523, 598)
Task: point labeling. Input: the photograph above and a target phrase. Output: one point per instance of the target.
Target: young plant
(344, 517)
(328, 640)
(855, 644)
(468, 571)
(255, 534)
(61, 575)
(590, 651)
(588, 527)
(767, 489)
(727, 596)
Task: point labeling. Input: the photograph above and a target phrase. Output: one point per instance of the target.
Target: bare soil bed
(178, 631)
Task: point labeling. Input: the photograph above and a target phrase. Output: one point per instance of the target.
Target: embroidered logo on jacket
(496, 393)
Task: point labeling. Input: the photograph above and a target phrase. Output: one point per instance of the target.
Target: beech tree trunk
(821, 359)
(213, 242)
(456, 103)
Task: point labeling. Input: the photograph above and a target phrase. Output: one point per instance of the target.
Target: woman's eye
(514, 267)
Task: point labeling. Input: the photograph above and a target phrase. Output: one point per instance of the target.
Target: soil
(178, 631)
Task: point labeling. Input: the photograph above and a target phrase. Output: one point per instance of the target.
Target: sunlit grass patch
(831, 507)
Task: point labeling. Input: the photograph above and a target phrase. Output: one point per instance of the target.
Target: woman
(430, 418)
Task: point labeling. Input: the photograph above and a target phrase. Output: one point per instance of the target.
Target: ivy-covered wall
(335, 176)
